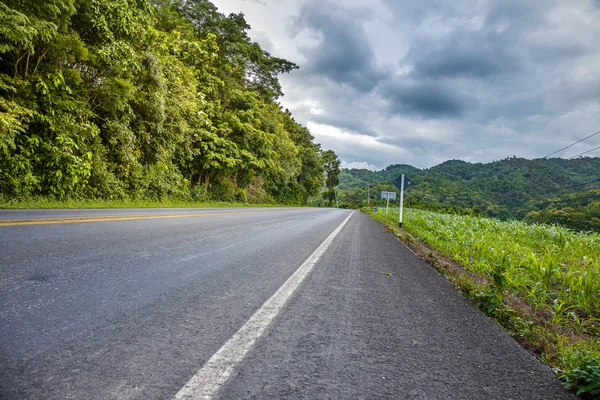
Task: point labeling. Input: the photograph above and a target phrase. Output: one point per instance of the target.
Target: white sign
(388, 195)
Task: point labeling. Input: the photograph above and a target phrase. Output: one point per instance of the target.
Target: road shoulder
(374, 321)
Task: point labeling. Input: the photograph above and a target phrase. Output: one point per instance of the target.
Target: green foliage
(137, 99)
(331, 164)
(579, 210)
(197, 200)
(356, 197)
(360, 178)
(551, 269)
(542, 190)
(582, 373)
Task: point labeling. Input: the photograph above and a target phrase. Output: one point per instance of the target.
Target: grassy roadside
(541, 283)
(47, 203)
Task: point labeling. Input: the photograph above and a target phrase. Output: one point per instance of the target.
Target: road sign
(398, 182)
(388, 195)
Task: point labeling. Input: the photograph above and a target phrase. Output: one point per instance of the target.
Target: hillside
(359, 178)
(509, 188)
(579, 210)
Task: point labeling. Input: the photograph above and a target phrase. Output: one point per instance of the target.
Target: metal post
(388, 203)
(368, 195)
(401, 201)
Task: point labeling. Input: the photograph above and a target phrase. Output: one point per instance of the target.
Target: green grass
(47, 203)
(542, 283)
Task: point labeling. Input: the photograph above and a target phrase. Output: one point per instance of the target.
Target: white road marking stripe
(209, 379)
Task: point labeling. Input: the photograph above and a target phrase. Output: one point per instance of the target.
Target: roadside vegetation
(47, 203)
(550, 191)
(540, 282)
(140, 100)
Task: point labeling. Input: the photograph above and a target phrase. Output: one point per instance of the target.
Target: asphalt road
(102, 304)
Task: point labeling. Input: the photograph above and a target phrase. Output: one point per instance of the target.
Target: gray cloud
(413, 12)
(551, 51)
(516, 108)
(339, 119)
(264, 40)
(346, 123)
(464, 54)
(423, 98)
(263, 2)
(343, 54)
(517, 14)
(421, 82)
(419, 146)
(569, 95)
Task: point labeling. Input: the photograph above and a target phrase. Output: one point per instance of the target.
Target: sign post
(387, 205)
(388, 196)
(401, 201)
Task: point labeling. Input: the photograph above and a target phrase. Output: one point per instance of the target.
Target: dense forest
(579, 210)
(543, 190)
(144, 99)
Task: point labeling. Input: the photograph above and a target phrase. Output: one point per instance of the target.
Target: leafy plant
(584, 376)
(551, 269)
(138, 99)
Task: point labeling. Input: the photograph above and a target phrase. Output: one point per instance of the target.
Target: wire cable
(571, 145)
(585, 152)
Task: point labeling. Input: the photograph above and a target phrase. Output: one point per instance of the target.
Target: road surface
(239, 303)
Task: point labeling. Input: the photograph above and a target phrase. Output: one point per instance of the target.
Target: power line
(571, 145)
(585, 152)
(577, 155)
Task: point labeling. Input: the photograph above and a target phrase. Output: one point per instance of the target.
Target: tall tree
(331, 165)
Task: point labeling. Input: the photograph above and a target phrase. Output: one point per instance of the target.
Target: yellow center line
(84, 219)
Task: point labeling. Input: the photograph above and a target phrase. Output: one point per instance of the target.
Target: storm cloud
(399, 81)
(343, 53)
(423, 98)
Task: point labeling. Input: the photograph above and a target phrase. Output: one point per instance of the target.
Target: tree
(145, 98)
(331, 166)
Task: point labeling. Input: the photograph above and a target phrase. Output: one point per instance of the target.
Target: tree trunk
(17, 62)
(27, 64)
(37, 64)
(206, 181)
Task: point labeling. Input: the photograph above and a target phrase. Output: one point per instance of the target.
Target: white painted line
(209, 379)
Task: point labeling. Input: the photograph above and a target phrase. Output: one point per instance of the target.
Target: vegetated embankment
(540, 282)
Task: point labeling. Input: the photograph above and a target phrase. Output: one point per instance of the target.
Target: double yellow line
(85, 219)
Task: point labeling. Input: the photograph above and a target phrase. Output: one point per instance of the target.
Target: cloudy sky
(420, 82)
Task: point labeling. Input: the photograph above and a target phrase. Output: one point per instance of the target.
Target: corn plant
(554, 269)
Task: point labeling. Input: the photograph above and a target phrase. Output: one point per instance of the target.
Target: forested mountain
(138, 98)
(557, 189)
(359, 178)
